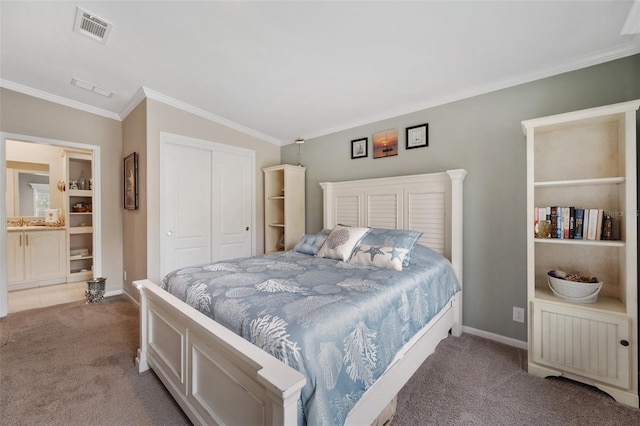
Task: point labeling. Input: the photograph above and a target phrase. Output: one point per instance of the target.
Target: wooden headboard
(429, 203)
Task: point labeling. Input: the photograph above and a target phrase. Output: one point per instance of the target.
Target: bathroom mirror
(27, 189)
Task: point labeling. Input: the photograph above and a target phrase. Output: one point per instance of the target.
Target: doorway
(96, 240)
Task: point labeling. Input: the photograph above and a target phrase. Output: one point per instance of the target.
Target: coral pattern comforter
(339, 324)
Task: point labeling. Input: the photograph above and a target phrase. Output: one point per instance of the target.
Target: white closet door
(185, 206)
(232, 206)
(207, 202)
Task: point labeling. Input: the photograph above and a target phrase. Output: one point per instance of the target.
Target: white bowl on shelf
(574, 291)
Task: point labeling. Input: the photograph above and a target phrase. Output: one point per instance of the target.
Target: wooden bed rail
(211, 372)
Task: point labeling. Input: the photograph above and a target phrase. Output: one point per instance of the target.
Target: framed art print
(418, 136)
(131, 181)
(385, 143)
(359, 148)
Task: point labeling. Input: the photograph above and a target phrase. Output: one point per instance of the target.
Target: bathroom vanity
(36, 256)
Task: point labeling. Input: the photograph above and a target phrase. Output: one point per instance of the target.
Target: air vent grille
(92, 26)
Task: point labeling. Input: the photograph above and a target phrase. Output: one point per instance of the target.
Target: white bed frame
(217, 377)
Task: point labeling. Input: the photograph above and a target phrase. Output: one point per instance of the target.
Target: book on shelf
(576, 223)
(566, 216)
(579, 223)
(585, 224)
(607, 226)
(593, 224)
(572, 222)
(599, 224)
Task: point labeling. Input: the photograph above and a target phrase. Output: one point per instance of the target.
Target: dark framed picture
(359, 148)
(131, 181)
(385, 143)
(418, 136)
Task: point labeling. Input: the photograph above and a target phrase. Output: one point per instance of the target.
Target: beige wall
(134, 230)
(141, 133)
(26, 115)
(130, 237)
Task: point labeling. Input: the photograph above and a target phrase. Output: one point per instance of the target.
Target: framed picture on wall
(359, 148)
(131, 181)
(385, 143)
(418, 136)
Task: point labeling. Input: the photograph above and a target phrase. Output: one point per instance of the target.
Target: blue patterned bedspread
(339, 324)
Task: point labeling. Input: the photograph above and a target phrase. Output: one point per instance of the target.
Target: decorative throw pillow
(311, 243)
(383, 257)
(341, 241)
(399, 238)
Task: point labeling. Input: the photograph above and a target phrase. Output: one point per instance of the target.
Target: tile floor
(39, 297)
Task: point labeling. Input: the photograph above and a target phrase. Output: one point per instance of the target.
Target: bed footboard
(216, 376)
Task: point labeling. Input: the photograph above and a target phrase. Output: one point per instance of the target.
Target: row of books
(573, 223)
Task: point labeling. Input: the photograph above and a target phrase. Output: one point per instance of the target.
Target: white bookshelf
(585, 159)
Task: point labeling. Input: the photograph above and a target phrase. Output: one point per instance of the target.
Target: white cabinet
(284, 207)
(79, 216)
(587, 160)
(36, 258)
(15, 257)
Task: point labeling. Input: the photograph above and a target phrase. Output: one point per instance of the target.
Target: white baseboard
(113, 293)
(133, 299)
(496, 337)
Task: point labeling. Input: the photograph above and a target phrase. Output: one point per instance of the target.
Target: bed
(218, 377)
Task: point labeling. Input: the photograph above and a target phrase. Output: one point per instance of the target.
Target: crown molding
(151, 94)
(629, 49)
(57, 99)
(134, 101)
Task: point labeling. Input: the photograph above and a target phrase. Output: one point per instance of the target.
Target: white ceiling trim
(151, 94)
(609, 55)
(135, 100)
(602, 57)
(57, 99)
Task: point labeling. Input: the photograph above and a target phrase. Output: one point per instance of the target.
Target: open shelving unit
(585, 159)
(79, 220)
(284, 207)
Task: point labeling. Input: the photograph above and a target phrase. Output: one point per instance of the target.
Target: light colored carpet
(474, 381)
(73, 365)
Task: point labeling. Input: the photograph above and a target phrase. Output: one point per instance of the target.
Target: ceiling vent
(92, 26)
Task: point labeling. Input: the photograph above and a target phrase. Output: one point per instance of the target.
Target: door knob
(246, 229)
(169, 233)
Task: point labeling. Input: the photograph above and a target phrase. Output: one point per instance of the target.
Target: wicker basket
(574, 291)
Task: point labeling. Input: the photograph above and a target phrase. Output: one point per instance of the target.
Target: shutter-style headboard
(429, 203)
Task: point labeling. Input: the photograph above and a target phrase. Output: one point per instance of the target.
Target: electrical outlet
(518, 314)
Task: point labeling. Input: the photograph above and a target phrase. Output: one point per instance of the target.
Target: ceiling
(282, 70)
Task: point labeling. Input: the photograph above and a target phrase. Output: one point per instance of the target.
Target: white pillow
(341, 241)
(384, 257)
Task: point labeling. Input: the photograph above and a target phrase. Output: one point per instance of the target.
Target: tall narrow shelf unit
(585, 159)
(284, 207)
(79, 218)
